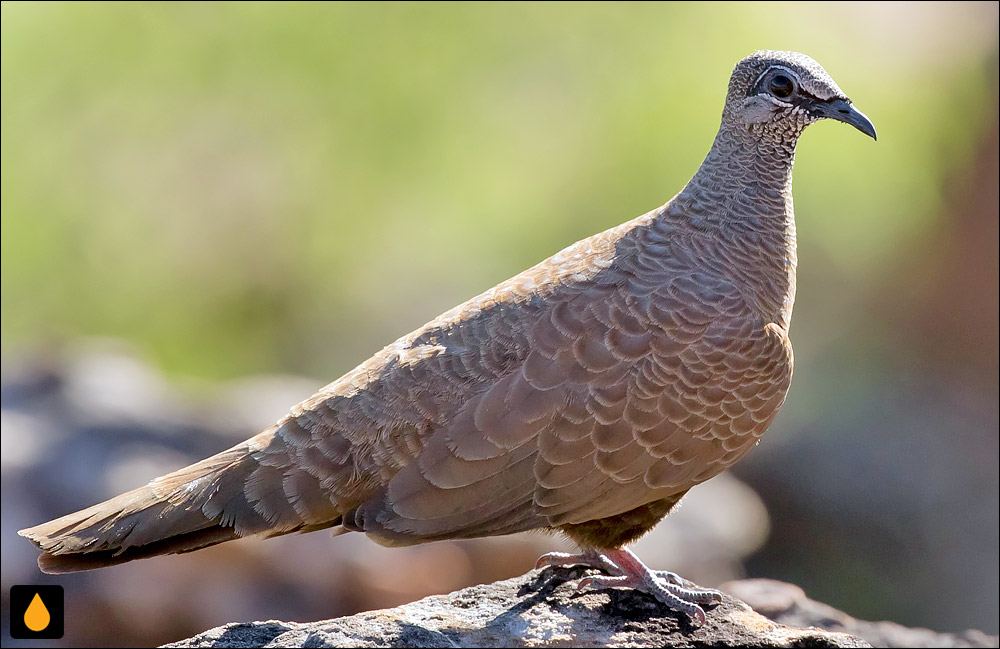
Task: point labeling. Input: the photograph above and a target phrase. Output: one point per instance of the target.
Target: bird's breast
(714, 397)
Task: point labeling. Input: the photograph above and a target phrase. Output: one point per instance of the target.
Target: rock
(538, 609)
(788, 604)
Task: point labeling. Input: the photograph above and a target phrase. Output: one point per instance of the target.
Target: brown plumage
(586, 394)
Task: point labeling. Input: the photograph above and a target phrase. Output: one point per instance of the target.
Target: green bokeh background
(244, 188)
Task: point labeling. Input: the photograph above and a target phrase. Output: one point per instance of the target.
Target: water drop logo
(36, 612)
(37, 616)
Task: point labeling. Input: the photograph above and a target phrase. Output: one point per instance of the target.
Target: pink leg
(627, 571)
(591, 558)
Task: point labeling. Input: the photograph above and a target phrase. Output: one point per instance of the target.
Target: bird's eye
(781, 86)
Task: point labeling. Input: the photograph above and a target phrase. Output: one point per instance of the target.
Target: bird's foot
(627, 571)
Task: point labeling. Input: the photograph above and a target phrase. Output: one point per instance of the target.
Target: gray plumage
(587, 394)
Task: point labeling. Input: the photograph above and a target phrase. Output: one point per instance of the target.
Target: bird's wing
(401, 412)
(638, 383)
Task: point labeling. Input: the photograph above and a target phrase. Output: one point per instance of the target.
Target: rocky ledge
(539, 609)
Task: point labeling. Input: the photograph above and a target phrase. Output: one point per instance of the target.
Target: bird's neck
(741, 196)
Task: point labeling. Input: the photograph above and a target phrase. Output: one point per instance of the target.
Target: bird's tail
(200, 505)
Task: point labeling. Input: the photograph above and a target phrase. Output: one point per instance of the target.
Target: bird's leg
(627, 571)
(590, 557)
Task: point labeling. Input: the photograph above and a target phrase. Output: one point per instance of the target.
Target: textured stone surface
(538, 609)
(788, 604)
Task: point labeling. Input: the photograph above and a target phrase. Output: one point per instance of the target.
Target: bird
(583, 396)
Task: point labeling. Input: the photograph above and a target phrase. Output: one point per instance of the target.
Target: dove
(584, 396)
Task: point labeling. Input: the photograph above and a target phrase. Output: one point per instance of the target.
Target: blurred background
(211, 210)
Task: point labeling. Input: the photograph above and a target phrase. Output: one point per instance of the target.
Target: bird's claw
(699, 595)
(625, 570)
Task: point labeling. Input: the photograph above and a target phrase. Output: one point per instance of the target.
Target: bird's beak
(843, 110)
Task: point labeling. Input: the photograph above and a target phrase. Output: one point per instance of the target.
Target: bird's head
(778, 94)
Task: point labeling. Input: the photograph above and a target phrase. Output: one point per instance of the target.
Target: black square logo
(36, 612)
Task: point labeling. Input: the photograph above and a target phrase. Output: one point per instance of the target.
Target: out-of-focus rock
(787, 604)
(538, 609)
